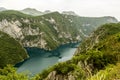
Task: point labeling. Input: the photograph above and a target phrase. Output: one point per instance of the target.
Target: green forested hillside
(97, 58)
(88, 24)
(9, 73)
(11, 52)
(50, 30)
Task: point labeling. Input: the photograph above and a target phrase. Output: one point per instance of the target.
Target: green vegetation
(62, 69)
(55, 28)
(9, 73)
(11, 52)
(94, 61)
(13, 15)
(103, 52)
(89, 23)
(111, 72)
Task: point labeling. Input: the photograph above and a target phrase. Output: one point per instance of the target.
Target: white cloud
(82, 7)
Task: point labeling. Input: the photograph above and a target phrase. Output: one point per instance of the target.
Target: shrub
(64, 68)
(9, 73)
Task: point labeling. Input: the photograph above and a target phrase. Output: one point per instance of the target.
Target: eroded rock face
(70, 77)
(13, 29)
(54, 76)
(51, 76)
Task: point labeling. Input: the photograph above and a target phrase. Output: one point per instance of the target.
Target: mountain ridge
(31, 11)
(35, 11)
(2, 9)
(46, 30)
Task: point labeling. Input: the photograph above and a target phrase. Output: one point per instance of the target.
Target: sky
(89, 8)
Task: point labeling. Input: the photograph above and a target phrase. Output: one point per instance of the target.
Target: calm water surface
(41, 59)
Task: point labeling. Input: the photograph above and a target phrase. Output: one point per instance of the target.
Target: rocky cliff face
(48, 31)
(54, 76)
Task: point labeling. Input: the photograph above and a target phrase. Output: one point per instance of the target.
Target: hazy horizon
(88, 8)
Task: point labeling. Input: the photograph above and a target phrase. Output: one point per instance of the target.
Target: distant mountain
(11, 52)
(2, 9)
(50, 30)
(86, 25)
(69, 13)
(47, 11)
(31, 11)
(34, 12)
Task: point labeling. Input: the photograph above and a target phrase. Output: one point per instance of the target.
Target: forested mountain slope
(98, 57)
(50, 30)
(11, 51)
